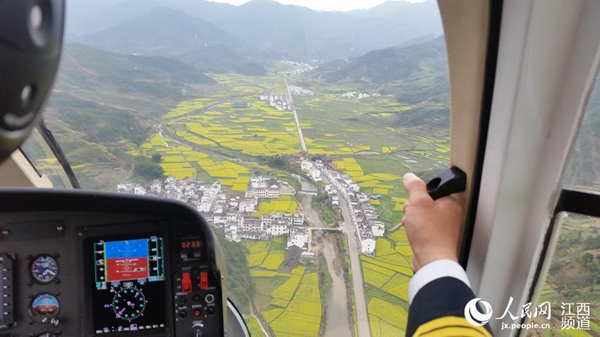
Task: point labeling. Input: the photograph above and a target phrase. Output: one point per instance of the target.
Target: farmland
(228, 132)
(207, 138)
(229, 135)
(288, 299)
(386, 282)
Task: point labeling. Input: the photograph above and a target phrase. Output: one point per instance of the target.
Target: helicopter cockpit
(283, 129)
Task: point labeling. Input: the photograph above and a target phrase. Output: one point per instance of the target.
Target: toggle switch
(204, 280)
(186, 283)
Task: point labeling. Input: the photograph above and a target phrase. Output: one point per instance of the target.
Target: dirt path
(260, 324)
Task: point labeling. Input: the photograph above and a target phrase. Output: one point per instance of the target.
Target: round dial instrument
(129, 303)
(44, 269)
(44, 307)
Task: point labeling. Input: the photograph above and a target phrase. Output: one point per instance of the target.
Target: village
(343, 192)
(233, 212)
(358, 95)
(277, 101)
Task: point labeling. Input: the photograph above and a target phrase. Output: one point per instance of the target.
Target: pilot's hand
(432, 227)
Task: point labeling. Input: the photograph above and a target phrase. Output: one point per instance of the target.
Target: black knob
(210, 298)
(450, 181)
(197, 331)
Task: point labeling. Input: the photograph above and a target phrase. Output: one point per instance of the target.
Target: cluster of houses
(312, 169)
(277, 101)
(299, 91)
(301, 68)
(342, 191)
(358, 95)
(232, 212)
(193, 192)
(235, 212)
(239, 225)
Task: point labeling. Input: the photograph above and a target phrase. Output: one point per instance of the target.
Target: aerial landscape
(288, 129)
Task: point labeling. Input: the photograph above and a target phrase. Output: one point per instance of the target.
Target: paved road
(362, 316)
(298, 127)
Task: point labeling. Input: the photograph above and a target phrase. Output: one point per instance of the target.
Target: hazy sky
(325, 5)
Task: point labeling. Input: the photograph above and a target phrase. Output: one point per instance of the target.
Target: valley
(333, 116)
(289, 130)
(230, 135)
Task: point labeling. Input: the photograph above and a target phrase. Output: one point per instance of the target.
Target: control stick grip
(450, 181)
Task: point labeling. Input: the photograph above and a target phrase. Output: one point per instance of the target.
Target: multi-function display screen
(129, 285)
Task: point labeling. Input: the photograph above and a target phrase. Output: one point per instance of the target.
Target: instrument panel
(108, 274)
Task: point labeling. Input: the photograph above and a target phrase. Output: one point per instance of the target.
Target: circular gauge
(129, 303)
(44, 307)
(46, 334)
(44, 269)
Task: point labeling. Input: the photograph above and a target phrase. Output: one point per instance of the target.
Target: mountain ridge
(160, 31)
(264, 28)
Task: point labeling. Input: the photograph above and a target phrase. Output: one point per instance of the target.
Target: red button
(204, 280)
(197, 313)
(186, 283)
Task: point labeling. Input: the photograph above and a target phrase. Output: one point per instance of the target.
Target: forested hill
(390, 64)
(138, 87)
(104, 102)
(160, 31)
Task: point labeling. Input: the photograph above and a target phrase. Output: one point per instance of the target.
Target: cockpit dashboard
(83, 264)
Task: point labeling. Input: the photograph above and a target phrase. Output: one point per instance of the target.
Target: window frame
(570, 201)
(50, 141)
(547, 62)
(491, 61)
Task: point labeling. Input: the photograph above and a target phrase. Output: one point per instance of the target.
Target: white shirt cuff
(434, 271)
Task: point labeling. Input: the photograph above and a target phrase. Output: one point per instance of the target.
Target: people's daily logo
(575, 316)
(473, 313)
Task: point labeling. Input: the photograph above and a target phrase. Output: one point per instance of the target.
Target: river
(337, 304)
(337, 323)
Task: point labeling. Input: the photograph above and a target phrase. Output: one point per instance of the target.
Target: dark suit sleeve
(438, 310)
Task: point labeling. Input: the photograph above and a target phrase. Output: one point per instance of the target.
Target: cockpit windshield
(287, 124)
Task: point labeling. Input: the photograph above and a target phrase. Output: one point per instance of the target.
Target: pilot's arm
(439, 289)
